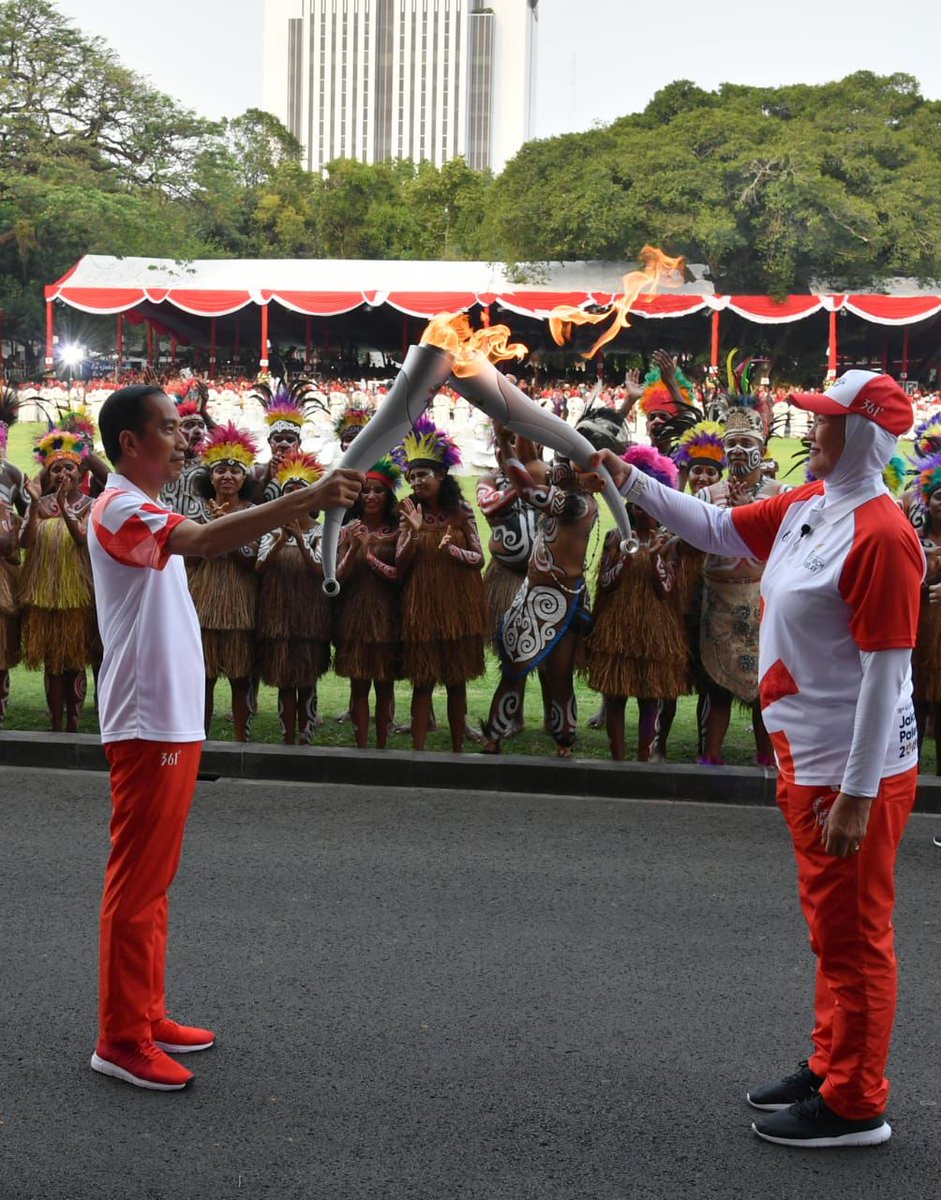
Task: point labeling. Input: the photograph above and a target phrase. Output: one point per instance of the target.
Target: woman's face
(827, 439)
(934, 508)
(425, 482)
(63, 470)
(227, 480)
(702, 475)
(373, 497)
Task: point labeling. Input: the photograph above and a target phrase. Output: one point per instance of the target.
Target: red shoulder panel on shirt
(881, 578)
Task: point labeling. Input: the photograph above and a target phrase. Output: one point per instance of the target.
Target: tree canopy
(772, 188)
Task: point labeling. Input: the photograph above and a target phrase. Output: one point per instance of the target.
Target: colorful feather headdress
(352, 417)
(78, 420)
(188, 408)
(286, 408)
(228, 443)
(649, 460)
(426, 445)
(62, 444)
(657, 396)
(742, 415)
(387, 472)
(895, 474)
(702, 444)
(929, 476)
(927, 436)
(9, 412)
(298, 467)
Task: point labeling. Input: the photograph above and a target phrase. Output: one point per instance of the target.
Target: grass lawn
(27, 709)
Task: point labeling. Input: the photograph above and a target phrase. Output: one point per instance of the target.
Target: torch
(425, 370)
(502, 401)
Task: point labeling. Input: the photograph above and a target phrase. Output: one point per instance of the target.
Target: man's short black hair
(127, 408)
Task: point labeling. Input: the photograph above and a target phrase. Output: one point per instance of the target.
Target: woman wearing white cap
(841, 598)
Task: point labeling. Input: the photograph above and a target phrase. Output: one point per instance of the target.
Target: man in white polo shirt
(150, 702)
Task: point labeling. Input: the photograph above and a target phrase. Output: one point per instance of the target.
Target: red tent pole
(714, 349)
(904, 374)
(119, 347)
(308, 333)
(485, 316)
(150, 344)
(263, 361)
(49, 335)
(885, 353)
(832, 349)
(212, 348)
(173, 348)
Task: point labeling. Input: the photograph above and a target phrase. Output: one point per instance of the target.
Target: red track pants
(848, 904)
(152, 786)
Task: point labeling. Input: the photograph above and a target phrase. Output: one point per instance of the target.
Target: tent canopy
(331, 287)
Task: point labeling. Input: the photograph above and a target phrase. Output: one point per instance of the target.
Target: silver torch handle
(424, 372)
(502, 401)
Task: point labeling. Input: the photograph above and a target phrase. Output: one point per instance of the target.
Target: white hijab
(857, 476)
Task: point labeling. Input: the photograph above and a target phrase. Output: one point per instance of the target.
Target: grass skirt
(501, 585)
(369, 627)
(926, 658)
(637, 646)
(228, 652)
(9, 616)
(292, 662)
(59, 639)
(444, 615)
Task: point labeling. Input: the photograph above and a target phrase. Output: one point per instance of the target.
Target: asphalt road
(475, 996)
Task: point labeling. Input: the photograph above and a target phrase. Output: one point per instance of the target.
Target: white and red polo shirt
(152, 680)
(838, 580)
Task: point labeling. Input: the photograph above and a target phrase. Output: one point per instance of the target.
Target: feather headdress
(78, 420)
(188, 408)
(741, 414)
(9, 412)
(298, 467)
(427, 445)
(649, 460)
(387, 472)
(927, 436)
(702, 444)
(62, 443)
(895, 473)
(353, 417)
(604, 428)
(929, 476)
(287, 407)
(228, 443)
(657, 396)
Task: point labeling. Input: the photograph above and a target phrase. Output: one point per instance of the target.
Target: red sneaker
(140, 1063)
(180, 1039)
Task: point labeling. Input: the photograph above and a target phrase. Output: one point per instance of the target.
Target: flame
(658, 267)
(452, 333)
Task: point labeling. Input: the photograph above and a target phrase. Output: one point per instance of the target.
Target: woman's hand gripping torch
(483, 386)
(424, 372)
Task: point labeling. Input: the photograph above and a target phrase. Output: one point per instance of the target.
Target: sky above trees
(598, 60)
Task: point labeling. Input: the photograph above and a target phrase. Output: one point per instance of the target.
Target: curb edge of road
(515, 773)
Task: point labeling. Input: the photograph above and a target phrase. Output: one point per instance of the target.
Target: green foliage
(773, 188)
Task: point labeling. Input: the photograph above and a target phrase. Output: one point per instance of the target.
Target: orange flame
(452, 333)
(658, 267)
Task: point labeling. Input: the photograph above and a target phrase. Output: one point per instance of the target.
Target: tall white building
(418, 79)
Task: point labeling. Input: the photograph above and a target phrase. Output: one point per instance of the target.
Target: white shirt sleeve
(704, 526)
(884, 674)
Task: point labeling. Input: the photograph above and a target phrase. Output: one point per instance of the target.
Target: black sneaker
(810, 1125)
(787, 1091)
